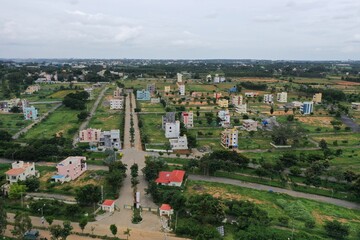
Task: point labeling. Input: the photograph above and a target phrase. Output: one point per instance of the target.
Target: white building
(117, 92)
(108, 205)
(172, 129)
(307, 108)
(224, 115)
(229, 138)
(155, 100)
(30, 113)
(219, 79)
(167, 89)
(116, 104)
(188, 119)
(241, 108)
(251, 94)
(179, 143)
(268, 98)
(250, 125)
(110, 139)
(179, 77)
(237, 100)
(181, 87)
(281, 97)
(20, 171)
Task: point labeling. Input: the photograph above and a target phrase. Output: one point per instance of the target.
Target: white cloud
(268, 18)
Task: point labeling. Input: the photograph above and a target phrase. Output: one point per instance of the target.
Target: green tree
(55, 231)
(22, 224)
(336, 230)
(16, 190)
(3, 217)
(82, 115)
(205, 208)
(5, 136)
(49, 219)
(82, 224)
(113, 229)
(88, 194)
(323, 144)
(32, 183)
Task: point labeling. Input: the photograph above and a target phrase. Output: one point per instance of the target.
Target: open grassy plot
(61, 94)
(339, 139)
(214, 144)
(60, 121)
(275, 204)
(349, 160)
(152, 128)
(146, 106)
(13, 122)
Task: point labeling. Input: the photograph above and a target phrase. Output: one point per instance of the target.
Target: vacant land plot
(152, 128)
(338, 139)
(61, 94)
(13, 122)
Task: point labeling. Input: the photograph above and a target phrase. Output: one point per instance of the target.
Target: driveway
(350, 123)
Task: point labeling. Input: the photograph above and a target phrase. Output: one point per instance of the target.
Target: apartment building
(20, 171)
(223, 103)
(70, 169)
(116, 104)
(317, 98)
(181, 87)
(268, 98)
(110, 139)
(237, 100)
(151, 88)
(241, 109)
(172, 129)
(143, 95)
(229, 138)
(224, 115)
(179, 77)
(251, 94)
(168, 118)
(30, 113)
(307, 108)
(281, 97)
(188, 119)
(117, 92)
(250, 125)
(90, 135)
(179, 143)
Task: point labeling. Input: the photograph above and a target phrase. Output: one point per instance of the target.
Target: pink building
(188, 119)
(70, 169)
(90, 135)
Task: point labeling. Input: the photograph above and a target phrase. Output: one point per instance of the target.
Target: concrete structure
(223, 103)
(143, 95)
(30, 113)
(172, 129)
(70, 169)
(241, 108)
(251, 94)
(179, 143)
(108, 205)
(168, 118)
(116, 104)
(155, 100)
(269, 123)
(355, 106)
(110, 139)
(90, 135)
(20, 171)
(174, 178)
(307, 108)
(33, 88)
(117, 92)
(90, 92)
(209, 78)
(250, 125)
(181, 87)
(224, 115)
(317, 98)
(166, 210)
(167, 89)
(229, 138)
(217, 95)
(268, 98)
(296, 104)
(196, 94)
(281, 97)
(188, 119)
(179, 77)
(151, 88)
(237, 100)
(219, 79)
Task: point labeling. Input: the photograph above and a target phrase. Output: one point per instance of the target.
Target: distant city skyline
(159, 29)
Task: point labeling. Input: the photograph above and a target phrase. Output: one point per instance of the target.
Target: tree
(205, 208)
(55, 231)
(113, 229)
(3, 217)
(271, 110)
(88, 194)
(127, 233)
(49, 219)
(336, 230)
(32, 183)
(5, 136)
(22, 224)
(323, 144)
(16, 190)
(82, 115)
(82, 224)
(283, 133)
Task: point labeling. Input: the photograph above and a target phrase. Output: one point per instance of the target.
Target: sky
(181, 29)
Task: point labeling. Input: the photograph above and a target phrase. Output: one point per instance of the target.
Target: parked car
(33, 234)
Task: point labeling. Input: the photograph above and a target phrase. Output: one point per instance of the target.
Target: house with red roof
(174, 178)
(166, 210)
(20, 171)
(108, 205)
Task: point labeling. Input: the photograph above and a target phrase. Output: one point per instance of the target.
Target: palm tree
(127, 233)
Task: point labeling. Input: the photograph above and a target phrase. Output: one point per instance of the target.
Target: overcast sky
(257, 29)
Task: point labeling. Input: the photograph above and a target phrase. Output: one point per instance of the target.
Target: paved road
(87, 120)
(27, 128)
(44, 102)
(350, 123)
(338, 202)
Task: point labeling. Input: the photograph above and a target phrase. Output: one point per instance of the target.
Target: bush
(283, 221)
(310, 224)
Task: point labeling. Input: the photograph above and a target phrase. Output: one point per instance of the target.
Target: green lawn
(152, 128)
(13, 122)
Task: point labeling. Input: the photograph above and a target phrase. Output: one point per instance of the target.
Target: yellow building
(317, 98)
(229, 138)
(223, 103)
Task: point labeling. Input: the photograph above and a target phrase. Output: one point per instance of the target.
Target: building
(181, 87)
(307, 108)
(229, 138)
(251, 94)
(237, 100)
(151, 88)
(110, 139)
(155, 100)
(174, 178)
(250, 125)
(168, 118)
(269, 123)
(281, 97)
(196, 94)
(20, 171)
(70, 169)
(30, 113)
(4, 106)
(179, 77)
(116, 104)
(217, 95)
(108, 205)
(166, 210)
(90, 135)
(317, 98)
(90, 92)
(233, 89)
(188, 119)
(223, 103)
(31, 89)
(172, 129)
(117, 92)
(219, 79)
(268, 98)
(241, 108)
(224, 115)
(355, 106)
(142, 95)
(167, 89)
(209, 78)
(179, 143)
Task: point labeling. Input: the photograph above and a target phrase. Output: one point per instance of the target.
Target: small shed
(166, 210)
(33, 234)
(108, 205)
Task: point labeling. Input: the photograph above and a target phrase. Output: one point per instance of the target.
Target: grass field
(61, 94)
(352, 139)
(152, 128)
(13, 122)
(318, 211)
